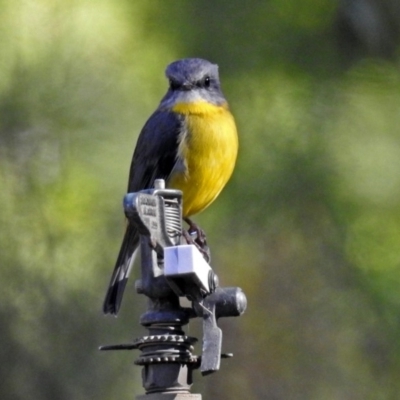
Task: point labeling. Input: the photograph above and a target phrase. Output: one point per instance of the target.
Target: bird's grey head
(191, 80)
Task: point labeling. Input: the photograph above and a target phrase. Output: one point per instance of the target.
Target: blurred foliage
(309, 225)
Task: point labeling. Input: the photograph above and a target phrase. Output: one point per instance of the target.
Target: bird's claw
(195, 235)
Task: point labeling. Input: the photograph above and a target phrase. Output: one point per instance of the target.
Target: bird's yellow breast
(208, 147)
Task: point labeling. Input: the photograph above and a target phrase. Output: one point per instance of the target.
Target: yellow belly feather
(209, 148)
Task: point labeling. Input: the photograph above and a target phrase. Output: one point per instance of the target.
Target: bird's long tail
(121, 271)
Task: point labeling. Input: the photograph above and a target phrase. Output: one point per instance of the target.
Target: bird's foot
(195, 235)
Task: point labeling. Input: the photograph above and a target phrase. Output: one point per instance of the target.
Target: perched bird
(191, 142)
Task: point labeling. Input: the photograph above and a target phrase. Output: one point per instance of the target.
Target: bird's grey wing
(154, 157)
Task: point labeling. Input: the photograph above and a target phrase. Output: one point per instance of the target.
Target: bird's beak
(186, 86)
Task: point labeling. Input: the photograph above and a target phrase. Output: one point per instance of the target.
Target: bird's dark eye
(173, 85)
(204, 82)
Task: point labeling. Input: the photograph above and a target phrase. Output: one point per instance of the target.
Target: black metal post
(166, 352)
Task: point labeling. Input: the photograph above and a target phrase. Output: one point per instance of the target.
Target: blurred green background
(309, 225)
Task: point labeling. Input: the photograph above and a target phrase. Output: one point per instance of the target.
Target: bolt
(159, 184)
